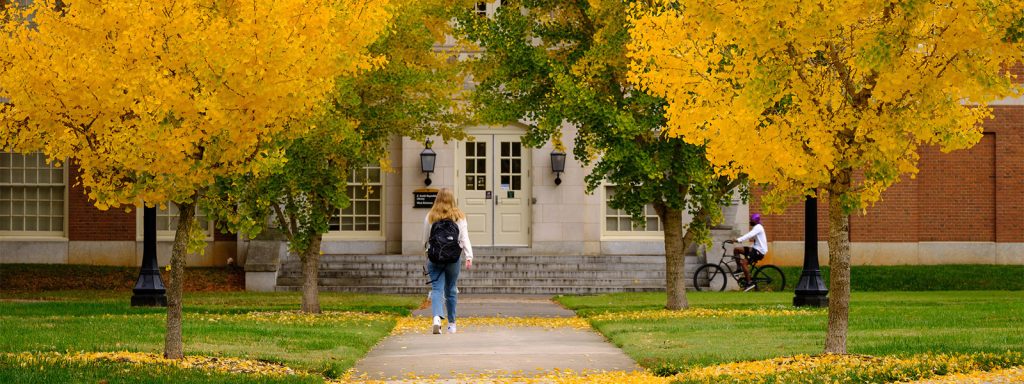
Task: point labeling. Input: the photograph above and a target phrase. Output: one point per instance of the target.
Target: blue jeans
(444, 277)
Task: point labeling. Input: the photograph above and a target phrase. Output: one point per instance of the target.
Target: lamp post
(427, 159)
(558, 165)
(149, 289)
(810, 290)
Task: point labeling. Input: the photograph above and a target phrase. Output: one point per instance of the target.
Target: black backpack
(444, 242)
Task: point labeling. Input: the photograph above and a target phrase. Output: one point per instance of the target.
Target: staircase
(504, 274)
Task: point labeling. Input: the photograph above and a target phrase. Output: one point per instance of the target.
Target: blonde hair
(444, 207)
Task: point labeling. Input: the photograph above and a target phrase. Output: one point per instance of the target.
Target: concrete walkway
(515, 351)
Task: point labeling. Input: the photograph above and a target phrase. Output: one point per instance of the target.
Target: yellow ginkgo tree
(155, 99)
(836, 95)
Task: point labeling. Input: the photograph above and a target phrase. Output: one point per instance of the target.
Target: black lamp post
(427, 159)
(558, 165)
(811, 290)
(149, 289)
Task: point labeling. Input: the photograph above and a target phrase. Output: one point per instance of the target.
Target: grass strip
(950, 277)
(32, 368)
(848, 368)
(881, 324)
(239, 325)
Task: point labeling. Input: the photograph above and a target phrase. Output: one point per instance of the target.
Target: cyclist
(755, 253)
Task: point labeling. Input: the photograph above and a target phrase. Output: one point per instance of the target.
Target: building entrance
(492, 179)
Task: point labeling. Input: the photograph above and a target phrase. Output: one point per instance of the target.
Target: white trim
(622, 235)
(165, 235)
(355, 235)
(27, 238)
(514, 128)
(378, 235)
(1019, 100)
(61, 235)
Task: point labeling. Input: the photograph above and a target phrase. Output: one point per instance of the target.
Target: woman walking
(438, 232)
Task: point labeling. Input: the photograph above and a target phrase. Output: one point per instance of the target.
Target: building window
(167, 222)
(32, 195)
(485, 8)
(365, 211)
(476, 166)
(167, 219)
(618, 221)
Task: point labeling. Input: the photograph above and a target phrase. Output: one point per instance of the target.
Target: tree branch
(281, 221)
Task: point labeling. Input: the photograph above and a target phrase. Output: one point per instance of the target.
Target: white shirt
(467, 248)
(760, 241)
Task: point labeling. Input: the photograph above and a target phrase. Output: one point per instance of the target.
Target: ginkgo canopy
(154, 99)
(792, 92)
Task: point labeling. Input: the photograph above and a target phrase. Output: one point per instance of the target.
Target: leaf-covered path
(519, 336)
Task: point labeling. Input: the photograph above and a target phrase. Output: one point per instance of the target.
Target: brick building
(963, 207)
(45, 217)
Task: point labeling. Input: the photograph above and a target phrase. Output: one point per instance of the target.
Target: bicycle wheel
(769, 278)
(710, 274)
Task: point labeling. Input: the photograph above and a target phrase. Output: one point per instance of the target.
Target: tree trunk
(839, 263)
(675, 258)
(172, 342)
(310, 273)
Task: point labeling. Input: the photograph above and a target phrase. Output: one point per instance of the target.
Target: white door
(494, 185)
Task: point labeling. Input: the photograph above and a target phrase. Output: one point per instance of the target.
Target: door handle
(496, 197)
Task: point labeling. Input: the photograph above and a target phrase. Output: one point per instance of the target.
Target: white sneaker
(451, 328)
(437, 325)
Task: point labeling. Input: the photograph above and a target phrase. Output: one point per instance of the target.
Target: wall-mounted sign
(423, 197)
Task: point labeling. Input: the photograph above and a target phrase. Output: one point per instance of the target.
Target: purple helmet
(755, 218)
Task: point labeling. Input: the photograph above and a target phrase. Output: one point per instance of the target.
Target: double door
(493, 182)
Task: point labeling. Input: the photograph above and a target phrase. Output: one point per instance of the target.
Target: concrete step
(422, 290)
(600, 259)
(567, 268)
(502, 274)
(476, 273)
(475, 281)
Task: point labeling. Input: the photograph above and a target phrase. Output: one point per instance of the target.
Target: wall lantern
(427, 158)
(557, 165)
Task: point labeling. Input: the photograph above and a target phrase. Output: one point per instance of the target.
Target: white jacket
(760, 239)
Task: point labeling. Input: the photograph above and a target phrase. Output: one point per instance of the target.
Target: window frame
(624, 235)
(41, 235)
(369, 235)
(165, 234)
(490, 7)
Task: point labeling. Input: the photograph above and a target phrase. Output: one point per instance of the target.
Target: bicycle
(766, 278)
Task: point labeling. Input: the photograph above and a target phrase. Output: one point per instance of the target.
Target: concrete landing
(512, 351)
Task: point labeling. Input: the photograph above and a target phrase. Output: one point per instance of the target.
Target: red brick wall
(85, 222)
(894, 219)
(1008, 126)
(1018, 70)
(789, 225)
(956, 193)
(959, 196)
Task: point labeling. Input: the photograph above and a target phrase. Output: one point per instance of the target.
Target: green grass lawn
(12, 372)
(215, 324)
(953, 277)
(881, 323)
